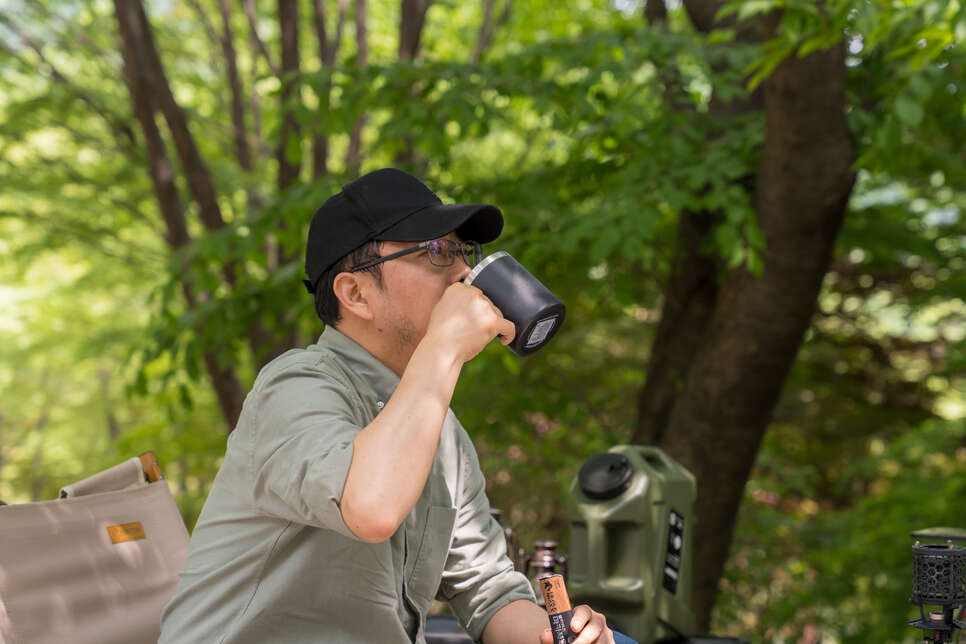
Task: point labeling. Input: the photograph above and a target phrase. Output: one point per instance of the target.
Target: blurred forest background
(753, 210)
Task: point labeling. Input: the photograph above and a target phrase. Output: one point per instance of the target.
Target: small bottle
(557, 601)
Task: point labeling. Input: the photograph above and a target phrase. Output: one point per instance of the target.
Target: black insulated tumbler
(534, 310)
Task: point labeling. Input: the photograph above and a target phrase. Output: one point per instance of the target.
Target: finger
(546, 637)
(469, 286)
(483, 297)
(591, 632)
(590, 625)
(507, 330)
(582, 615)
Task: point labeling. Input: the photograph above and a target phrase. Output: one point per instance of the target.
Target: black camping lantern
(939, 580)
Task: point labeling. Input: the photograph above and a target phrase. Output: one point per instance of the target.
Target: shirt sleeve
(478, 579)
(303, 421)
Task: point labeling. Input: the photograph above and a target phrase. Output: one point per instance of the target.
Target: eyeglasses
(442, 252)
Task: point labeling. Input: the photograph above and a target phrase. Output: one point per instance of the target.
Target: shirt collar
(382, 380)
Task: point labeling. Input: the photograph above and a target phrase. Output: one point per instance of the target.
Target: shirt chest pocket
(428, 551)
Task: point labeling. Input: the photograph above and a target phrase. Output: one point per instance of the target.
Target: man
(350, 495)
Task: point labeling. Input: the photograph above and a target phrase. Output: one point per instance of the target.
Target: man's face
(411, 287)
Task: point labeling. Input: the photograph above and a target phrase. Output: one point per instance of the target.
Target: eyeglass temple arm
(380, 260)
(477, 255)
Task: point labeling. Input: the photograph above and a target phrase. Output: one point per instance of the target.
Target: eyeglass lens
(443, 252)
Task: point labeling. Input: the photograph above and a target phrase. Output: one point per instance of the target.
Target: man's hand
(523, 622)
(465, 321)
(589, 624)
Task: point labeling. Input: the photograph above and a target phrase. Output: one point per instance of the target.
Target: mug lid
(486, 261)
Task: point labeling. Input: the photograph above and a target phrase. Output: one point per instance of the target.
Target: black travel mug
(535, 312)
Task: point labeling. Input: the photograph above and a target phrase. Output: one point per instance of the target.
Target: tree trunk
(224, 381)
(159, 166)
(288, 168)
(692, 289)
(689, 301)
(412, 19)
(353, 155)
(320, 141)
(655, 12)
(327, 56)
(289, 165)
(200, 183)
(196, 172)
(722, 353)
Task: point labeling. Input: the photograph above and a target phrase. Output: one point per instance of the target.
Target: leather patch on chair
(126, 532)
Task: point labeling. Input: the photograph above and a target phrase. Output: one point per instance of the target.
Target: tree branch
(488, 27)
(485, 31)
(249, 6)
(256, 46)
(114, 122)
(58, 224)
(339, 29)
(242, 151)
(212, 37)
(327, 55)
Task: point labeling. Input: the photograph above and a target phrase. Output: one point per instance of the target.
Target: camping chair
(96, 565)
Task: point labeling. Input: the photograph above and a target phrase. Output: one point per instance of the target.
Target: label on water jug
(541, 331)
(675, 547)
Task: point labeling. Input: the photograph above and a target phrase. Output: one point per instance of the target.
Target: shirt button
(380, 404)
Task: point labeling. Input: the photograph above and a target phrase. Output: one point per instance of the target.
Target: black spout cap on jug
(535, 312)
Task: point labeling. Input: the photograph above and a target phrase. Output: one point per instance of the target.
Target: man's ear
(351, 289)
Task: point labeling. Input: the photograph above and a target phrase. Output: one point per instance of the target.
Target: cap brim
(481, 223)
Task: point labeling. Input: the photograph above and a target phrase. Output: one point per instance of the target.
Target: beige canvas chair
(96, 565)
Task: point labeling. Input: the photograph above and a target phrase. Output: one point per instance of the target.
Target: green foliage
(834, 569)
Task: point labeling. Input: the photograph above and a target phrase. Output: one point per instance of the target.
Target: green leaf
(750, 8)
(908, 110)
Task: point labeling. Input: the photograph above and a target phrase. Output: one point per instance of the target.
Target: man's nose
(462, 270)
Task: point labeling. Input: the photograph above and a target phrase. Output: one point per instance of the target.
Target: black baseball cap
(389, 205)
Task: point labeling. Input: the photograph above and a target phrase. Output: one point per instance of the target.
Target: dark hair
(326, 303)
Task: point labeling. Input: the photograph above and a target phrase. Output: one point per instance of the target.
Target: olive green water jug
(630, 541)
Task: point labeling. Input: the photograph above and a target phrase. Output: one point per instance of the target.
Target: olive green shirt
(271, 559)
